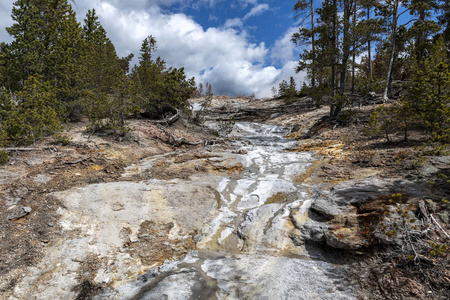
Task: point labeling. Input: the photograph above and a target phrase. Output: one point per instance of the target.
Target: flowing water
(252, 250)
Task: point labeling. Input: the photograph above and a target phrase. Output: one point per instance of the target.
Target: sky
(241, 47)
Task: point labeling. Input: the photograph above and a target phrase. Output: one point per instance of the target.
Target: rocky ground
(92, 214)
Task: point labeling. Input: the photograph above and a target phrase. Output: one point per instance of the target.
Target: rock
(243, 151)
(444, 216)
(431, 205)
(326, 208)
(345, 238)
(19, 213)
(428, 170)
(91, 221)
(342, 207)
(314, 231)
(41, 179)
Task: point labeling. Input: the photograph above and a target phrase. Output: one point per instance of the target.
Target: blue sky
(240, 46)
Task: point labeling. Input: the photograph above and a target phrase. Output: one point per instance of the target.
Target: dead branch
(440, 227)
(19, 149)
(168, 120)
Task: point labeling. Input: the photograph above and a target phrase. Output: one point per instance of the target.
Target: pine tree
(148, 77)
(33, 116)
(209, 92)
(429, 93)
(283, 88)
(200, 89)
(102, 74)
(47, 40)
(423, 26)
(305, 9)
(100, 62)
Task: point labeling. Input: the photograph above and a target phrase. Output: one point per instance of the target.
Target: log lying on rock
(19, 149)
(166, 115)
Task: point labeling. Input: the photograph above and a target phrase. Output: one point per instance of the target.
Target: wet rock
(243, 151)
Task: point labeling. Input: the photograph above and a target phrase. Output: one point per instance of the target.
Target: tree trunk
(345, 45)
(353, 70)
(369, 50)
(387, 89)
(313, 42)
(333, 55)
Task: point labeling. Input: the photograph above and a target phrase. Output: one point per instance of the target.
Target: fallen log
(168, 120)
(19, 149)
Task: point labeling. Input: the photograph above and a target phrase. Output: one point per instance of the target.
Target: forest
(56, 70)
(406, 41)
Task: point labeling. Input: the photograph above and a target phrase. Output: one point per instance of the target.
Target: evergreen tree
(423, 26)
(148, 77)
(444, 21)
(33, 116)
(429, 93)
(304, 9)
(47, 42)
(283, 88)
(101, 63)
(200, 89)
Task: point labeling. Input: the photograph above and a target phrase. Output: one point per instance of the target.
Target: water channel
(252, 249)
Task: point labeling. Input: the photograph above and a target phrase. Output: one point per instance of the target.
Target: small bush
(4, 157)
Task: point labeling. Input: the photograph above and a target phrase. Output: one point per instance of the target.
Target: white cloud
(283, 49)
(223, 56)
(5, 19)
(257, 10)
(236, 22)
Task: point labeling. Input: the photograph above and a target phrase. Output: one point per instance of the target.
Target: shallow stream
(252, 250)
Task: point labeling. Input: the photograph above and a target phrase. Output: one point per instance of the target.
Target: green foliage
(429, 94)
(155, 86)
(288, 91)
(47, 42)
(4, 157)
(386, 121)
(364, 85)
(426, 106)
(438, 249)
(34, 115)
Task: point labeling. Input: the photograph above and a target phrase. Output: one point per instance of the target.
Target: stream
(252, 249)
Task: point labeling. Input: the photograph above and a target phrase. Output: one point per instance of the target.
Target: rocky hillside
(140, 216)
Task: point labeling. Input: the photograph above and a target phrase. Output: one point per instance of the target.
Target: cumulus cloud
(283, 48)
(5, 19)
(223, 56)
